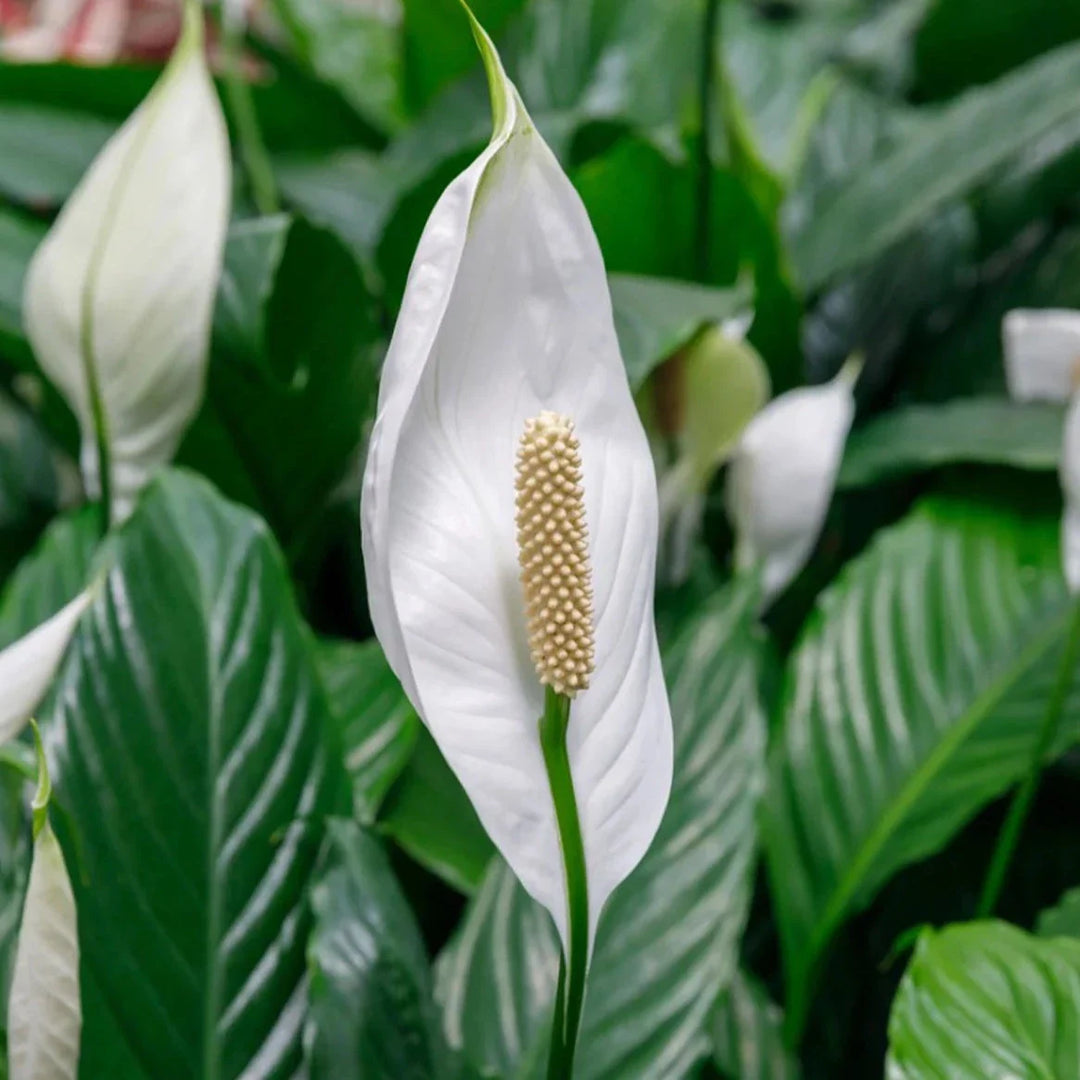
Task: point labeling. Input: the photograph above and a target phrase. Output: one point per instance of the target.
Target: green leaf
(379, 727)
(427, 813)
(1063, 919)
(979, 431)
(54, 118)
(358, 50)
(372, 1013)
(966, 42)
(668, 940)
(294, 353)
(747, 1034)
(53, 574)
(19, 237)
(656, 316)
(943, 161)
(193, 766)
(914, 697)
(987, 1000)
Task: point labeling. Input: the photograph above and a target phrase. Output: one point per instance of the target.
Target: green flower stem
(242, 108)
(1025, 794)
(704, 166)
(571, 996)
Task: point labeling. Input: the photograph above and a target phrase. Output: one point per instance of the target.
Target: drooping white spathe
(27, 667)
(120, 294)
(506, 314)
(44, 1010)
(1042, 353)
(782, 476)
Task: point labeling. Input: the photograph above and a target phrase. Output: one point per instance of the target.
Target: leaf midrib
(875, 841)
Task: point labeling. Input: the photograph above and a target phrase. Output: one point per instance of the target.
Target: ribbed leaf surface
(915, 697)
(985, 1001)
(190, 741)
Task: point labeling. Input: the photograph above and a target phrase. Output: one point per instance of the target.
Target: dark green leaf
(193, 766)
(358, 50)
(429, 815)
(914, 698)
(294, 356)
(19, 237)
(1063, 919)
(379, 726)
(668, 940)
(747, 1034)
(372, 1014)
(59, 568)
(979, 430)
(986, 1000)
(944, 161)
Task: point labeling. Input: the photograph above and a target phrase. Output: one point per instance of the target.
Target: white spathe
(1042, 353)
(782, 475)
(44, 1011)
(507, 313)
(120, 294)
(27, 667)
(1070, 488)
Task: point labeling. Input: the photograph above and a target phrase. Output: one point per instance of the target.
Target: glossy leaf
(372, 1013)
(194, 760)
(52, 574)
(986, 1000)
(747, 1034)
(294, 351)
(914, 697)
(668, 940)
(379, 727)
(427, 813)
(975, 431)
(945, 160)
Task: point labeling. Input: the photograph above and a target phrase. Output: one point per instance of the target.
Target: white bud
(120, 294)
(782, 476)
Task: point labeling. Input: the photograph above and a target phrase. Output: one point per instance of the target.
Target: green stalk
(571, 996)
(703, 184)
(1025, 794)
(242, 108)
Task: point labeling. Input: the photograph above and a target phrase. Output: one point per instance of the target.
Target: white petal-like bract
(1042, 353)
(27, 667)
(44, 1011)
(119, 296)
(1070, 488)
(782, 475)
(507, 314)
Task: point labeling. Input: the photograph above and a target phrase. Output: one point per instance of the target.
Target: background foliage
(312, 886)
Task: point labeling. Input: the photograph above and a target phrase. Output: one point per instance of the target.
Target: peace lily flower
(120, 294)
(27, 667)
(1042, 353)
(782, 476)
(1042, 363)
(44, 1010)
(510, 524)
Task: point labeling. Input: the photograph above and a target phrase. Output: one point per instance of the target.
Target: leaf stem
(703, 180)
(242, 108)
(1025, 794)
(571, 995)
